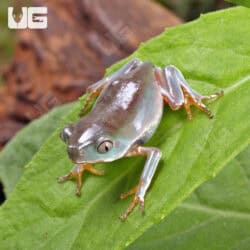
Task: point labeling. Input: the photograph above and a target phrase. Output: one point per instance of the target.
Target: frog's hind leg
(177, 93)
(77, 172)
(153, 158)
(95, 89)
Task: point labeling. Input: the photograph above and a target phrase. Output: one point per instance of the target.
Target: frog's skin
(126, 114)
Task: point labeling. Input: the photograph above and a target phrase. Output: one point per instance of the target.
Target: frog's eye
(66, 133)
(104, 147)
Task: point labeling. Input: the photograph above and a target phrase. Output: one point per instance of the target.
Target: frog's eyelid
(103, 139)
(88, 142)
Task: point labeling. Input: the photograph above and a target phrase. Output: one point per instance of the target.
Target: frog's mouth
(87, 162)
(81, 162)
(73, 153)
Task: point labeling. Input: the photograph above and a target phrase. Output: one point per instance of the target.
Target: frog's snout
(73, 153)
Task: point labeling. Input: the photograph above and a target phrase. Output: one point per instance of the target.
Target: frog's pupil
(106, 148)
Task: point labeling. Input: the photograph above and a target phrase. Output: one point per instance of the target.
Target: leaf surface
(19, 151)
(215, 216)
(213, 53)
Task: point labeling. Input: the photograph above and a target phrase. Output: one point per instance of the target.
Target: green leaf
(213, 53)
(215, 216)
(25, 144)
(240, 2)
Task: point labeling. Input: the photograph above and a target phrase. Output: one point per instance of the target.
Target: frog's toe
(142, 206)
(60, 179)
(130, 192)
(64, 178)
(213, 96)
(78, 191)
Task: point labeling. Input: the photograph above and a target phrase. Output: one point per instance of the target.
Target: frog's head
(90, 143)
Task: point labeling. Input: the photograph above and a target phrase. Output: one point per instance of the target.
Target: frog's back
(131, 106)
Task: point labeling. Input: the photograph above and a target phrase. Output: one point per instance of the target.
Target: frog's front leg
(95, 89)
(153, 158)
(77, 172)
(177, 93)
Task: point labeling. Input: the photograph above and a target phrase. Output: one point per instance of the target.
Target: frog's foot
(77, 172)
(133, 203)
(136, 200)
(177, 92)
(196, 100)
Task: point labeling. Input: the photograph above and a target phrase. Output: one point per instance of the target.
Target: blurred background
(41, 69)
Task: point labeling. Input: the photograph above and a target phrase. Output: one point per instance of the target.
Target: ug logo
(30, 17)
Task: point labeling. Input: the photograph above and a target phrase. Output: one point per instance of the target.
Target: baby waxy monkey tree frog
(125, 115)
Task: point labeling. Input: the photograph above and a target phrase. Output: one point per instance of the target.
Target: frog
(127, 111)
